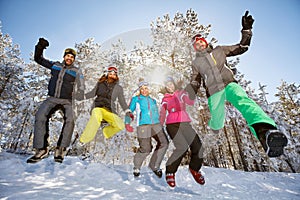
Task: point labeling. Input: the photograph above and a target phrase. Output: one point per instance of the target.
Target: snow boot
(39, 155)
(275, 142)
(59, 154)
(158, 173)
(136, 172)
(170, 178)
(198, 177)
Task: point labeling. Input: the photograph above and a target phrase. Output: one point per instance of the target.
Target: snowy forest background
(23, 86)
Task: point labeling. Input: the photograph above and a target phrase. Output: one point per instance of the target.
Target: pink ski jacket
(173, 107)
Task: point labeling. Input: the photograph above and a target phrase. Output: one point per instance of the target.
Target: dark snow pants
(145, 133)
(184, 137)
(41, 126)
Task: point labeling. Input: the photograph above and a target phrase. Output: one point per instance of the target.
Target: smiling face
(200, 45)
(144, 90)
(170, 87)
(69, 59)
(112, 77)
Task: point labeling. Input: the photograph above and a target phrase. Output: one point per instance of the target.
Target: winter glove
(129, 114)
(43, 43)
(39, 48)
(191, 90)
(129, 128)
(79, 96)
(247, 21)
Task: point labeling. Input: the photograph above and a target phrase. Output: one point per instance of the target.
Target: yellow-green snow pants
(236, 95)
(116, 124)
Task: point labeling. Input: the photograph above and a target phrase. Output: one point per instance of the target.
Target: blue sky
(272, 57)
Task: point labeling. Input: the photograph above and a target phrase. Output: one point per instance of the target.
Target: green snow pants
(236, 95)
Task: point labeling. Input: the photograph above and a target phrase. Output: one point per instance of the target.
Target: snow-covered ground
(77, 179)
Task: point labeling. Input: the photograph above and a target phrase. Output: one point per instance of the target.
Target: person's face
(69, 59)
(144, 90)
(199, 45)
(112, 76)
(170, 87)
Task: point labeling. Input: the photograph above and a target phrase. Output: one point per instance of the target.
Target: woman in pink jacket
(173, 114)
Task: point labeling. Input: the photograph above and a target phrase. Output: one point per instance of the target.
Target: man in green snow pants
(210, 67)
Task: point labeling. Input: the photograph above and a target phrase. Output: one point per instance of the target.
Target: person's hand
(129, 128)
(191, 90)
(129, 114)
(43, 43)
(247, 21)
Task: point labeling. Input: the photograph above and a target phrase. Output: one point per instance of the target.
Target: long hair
(104, 77)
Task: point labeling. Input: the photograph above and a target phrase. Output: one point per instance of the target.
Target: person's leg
(216, 105)
(261, 125)
(92, 126)
(160, 150)
(195, 145)
(116, 124)
(252, 112)
(196, 153)
(41, 130)
(40, 138)
(145, 146)
(66, 132)
(181, 147)
(68, 127)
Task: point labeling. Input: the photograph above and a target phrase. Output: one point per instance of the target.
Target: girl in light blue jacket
(148, 127)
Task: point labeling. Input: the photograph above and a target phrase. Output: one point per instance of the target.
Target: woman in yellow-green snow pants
(106, 91)
(116, 124)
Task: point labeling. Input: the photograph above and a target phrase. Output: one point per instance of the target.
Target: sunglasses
(196, 37)
(112, 69)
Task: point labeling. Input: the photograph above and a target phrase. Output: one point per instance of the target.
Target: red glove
(128, 128)
(129, 114)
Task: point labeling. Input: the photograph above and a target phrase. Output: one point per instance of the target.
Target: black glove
(247, 21)
(43, 43)
(79, 96)
(192, 89)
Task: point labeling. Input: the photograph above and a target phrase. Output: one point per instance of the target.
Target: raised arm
(233, 50)
(38, 53)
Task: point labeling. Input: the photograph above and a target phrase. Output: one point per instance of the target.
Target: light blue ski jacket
(148, 109)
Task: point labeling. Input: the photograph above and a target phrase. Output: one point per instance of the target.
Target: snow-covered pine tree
(12, 87)
(287, 115)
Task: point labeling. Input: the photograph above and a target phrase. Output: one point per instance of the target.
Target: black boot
(59, 154)
(39, 155)
(275, 141)
(158, 173)
(272, 140)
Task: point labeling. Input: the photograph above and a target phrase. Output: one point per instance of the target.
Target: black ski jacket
(106, 96)
(63, 78)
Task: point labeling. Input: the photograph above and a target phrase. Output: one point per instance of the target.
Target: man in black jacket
(210, 66)
(61, 91)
